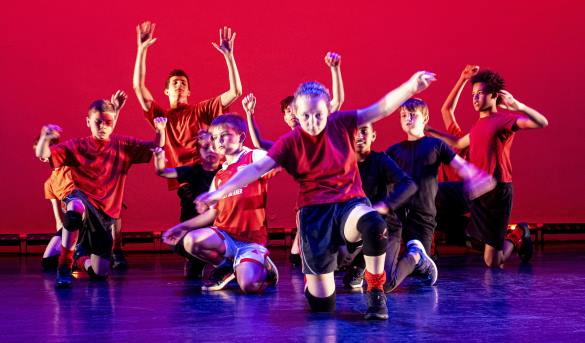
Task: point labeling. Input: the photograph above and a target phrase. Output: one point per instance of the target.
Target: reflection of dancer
(321, 156)
(333, 60)
(490, 142)
(236, 240)
(99, 165)
(184, 120)
(421, 157)
(198, 177)
(378, 173)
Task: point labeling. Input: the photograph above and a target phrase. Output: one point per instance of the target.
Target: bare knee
(76, 205)
(190, 244)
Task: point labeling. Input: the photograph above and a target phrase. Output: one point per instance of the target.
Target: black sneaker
(354, 277)
(193, 268)
(295, 259)
(219, 278)
(271, 272)
(426, 266)
(526, 248)
(64, 277)
(79, 252)
(119, 260)
(377, 308)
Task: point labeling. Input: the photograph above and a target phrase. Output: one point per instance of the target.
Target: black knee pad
(374, 233)
(72, 221)
(320, 304)
(94, 276)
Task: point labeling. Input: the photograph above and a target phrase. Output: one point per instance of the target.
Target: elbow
(238, 92)
(544, 123)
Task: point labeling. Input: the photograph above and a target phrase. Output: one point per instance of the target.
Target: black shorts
(417, 224)
(95, 234)
(321, 234)
(490, 214)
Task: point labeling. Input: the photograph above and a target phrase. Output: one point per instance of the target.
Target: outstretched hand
(249, 103)
(226, 41)
(51, 131)
(509, 102)
(421, 81)
(144, 33)
(332, 59)
(469, 71)
(118, 99)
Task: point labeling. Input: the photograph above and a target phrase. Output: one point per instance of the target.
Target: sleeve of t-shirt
(185, 173)
(347, 118)
(257, 154)
(138, 150)
(446, 154)
(155, 111)
(209, 109)
(64, 154)
(509, 122)
(403, 185)
(280, 151)
(49, 194)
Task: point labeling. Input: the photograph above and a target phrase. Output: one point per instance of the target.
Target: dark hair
(177, 72)
(102, 106)
(232, 120)
(313, 89)
(284, 103)
(492, 81)
(414, 104)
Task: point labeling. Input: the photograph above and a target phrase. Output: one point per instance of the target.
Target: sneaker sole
(527, 249)
(63, 285)
(376, 316)
(220, 286)
(422, 251)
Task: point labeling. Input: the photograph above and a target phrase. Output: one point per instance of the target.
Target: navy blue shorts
(96, 233)
(321, 234)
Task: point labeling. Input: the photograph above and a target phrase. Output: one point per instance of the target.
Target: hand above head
(249, 103)
(332, 59)
(509, 102)
(160, 123)
(421, 80)
(144, 33)
(118, 99)
(226, 41)
(469, 71)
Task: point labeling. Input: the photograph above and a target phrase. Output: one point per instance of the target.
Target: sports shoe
(79, 252)
(119, 260)
(219, 278)
(425, 266)
(193, 268)
(64, 277)
(354, 277)
(271, 272)
(377, 308)
(526, 249)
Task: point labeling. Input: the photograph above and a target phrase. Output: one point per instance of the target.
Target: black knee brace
(320, 304)
(374, 233)
(96, 277)
(72, 221)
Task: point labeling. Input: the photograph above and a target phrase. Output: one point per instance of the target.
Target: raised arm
(448, 108)
(226, 48)
(454, 141)
(333, 60)
(533, 120)
(250, 173)
(476, 181)
(144, 33)
(118, 99)
(249, 104)
(389, 103)
(48, 132)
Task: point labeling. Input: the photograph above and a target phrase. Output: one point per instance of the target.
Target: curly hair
(492, 81)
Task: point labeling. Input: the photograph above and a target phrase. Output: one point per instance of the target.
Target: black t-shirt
(379, 175)
(199, 178)
(421, 160)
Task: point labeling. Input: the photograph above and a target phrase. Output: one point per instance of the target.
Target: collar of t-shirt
(245, 149)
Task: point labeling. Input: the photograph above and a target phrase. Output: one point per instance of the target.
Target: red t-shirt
(490, 144)
(446, 172)
(99, 168)
(325, 166)
(183, 124)
(242, 213)
(59, 184)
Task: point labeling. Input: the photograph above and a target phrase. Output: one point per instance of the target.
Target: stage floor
(151, 302)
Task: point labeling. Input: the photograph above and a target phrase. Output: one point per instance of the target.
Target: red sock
(515, 236)
(375, 281)
(66, 257)
(81, 262)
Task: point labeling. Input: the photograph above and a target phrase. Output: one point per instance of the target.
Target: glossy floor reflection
(151, 302)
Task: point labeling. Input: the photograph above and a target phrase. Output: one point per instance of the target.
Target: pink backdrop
(56, 58)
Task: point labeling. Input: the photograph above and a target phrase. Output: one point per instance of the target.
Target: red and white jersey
(242, 213)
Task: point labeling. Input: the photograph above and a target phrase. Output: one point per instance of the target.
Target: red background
(55, 58)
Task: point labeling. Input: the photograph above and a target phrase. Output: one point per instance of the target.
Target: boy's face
(178, 88)
(312, 112)
(482, 101)
(206, 151)
(364, 138)
(226, 140)
(413, 122)
(101, 124)
(289, 117)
